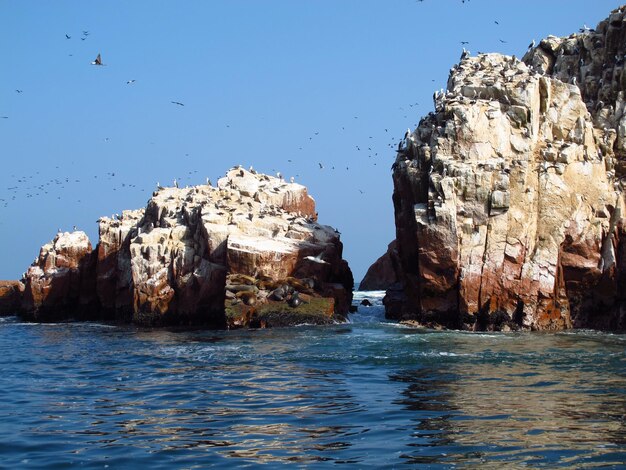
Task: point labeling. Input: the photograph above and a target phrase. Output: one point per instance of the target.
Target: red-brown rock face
(508, 210)
(10, 297)
(60, 284)
(167, 264)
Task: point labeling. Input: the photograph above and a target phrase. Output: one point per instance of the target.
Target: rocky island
(509, 197)
(509, 214)
(246, 253)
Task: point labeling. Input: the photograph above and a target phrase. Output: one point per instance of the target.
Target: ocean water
(364, 394)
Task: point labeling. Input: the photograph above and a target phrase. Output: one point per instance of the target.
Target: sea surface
(365, 394)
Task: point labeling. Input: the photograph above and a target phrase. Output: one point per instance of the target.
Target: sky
(282, 85)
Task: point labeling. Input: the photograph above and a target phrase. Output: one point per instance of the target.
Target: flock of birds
(378, 144)
(36, 185)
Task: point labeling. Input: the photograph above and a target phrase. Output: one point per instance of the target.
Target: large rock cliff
(508, 197)
(242, 253)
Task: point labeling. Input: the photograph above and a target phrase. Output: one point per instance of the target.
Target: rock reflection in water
(368, 394)
(564, 404)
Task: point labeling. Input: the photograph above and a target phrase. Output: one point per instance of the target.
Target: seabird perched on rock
(175, 183)
(532, 44)
(98, 61)
(465, 54)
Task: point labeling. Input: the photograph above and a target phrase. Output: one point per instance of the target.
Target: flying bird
(321, 166)
(98, 61)
(316, 259)
(67, 36)
(129, 82)
(19, 91)
(177, 102)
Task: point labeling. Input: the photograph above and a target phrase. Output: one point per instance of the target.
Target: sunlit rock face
(507, 203)
(61, 281)
(167, 263)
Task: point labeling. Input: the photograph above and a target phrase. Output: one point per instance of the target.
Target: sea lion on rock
(241, 279)
(267, 284)
(248, 298)
(241, 288)
(294, 301)
(278, 294)
(297, 284)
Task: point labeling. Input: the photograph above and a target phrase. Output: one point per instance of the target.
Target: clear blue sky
(263, 82)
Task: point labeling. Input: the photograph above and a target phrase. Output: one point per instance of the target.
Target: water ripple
(367, 393)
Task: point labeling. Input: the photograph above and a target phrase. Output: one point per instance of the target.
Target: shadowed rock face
(167, 263)
(382, 274)
(507, 205)
(10, 297)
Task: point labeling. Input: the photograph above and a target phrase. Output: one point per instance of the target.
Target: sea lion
(267, 284)
(297, 284)
(241, 288)
(309, 282)
(278, 294)
(294, 301)
(248, 298)
(237, 278)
